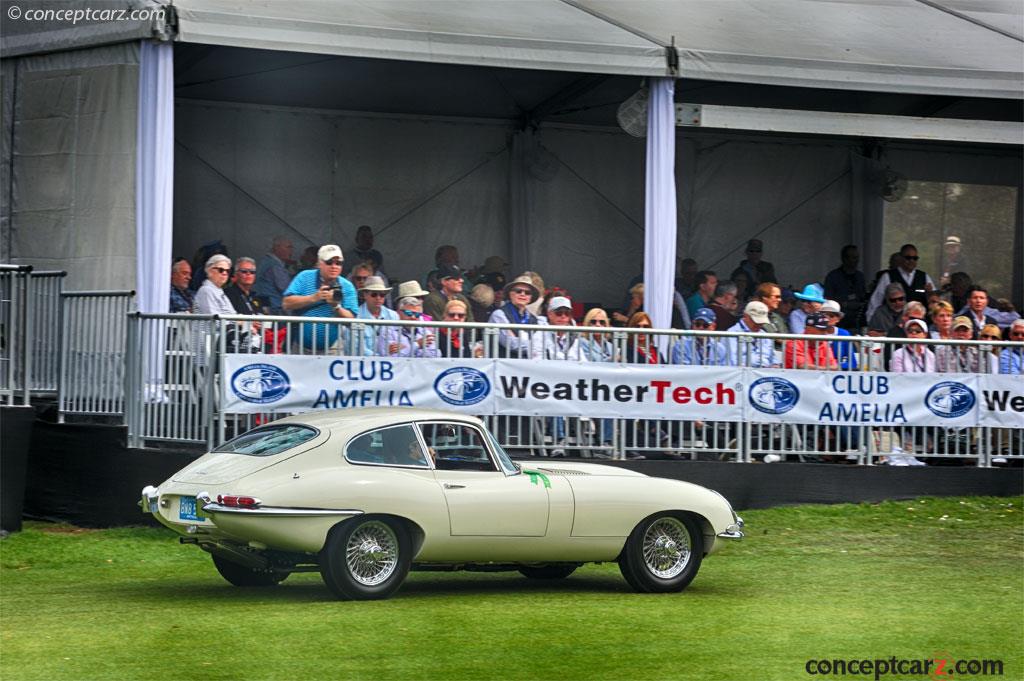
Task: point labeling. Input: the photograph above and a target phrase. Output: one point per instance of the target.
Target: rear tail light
(237, 501)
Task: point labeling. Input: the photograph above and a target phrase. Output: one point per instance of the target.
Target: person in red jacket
(812, 354)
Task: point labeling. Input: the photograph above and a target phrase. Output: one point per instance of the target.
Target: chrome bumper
(150, 499)
(734, 531)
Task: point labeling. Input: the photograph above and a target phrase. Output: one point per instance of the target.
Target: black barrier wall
(15, 439)
(87, 476)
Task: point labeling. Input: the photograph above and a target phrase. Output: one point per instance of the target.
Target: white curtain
(660, 206)
(154, 192)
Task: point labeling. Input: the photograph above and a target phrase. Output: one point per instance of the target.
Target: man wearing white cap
(322, 292)
(760, 352)
(556, 344)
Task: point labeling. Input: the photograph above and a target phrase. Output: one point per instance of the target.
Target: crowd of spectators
(838, 316)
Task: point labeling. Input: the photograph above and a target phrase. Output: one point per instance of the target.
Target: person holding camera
(322, 292)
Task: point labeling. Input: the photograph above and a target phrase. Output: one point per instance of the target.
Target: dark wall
(87, 476)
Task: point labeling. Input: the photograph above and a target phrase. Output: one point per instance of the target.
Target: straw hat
(524, 280)
(374, 284)
(410, 289)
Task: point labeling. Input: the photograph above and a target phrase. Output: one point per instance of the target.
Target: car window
(456, 447)
(394, 446)
(268, 440)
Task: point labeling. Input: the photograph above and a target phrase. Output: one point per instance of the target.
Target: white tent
(490, 125)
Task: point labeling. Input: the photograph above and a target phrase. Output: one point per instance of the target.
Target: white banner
(518, 387)
(1002, 401)
(297, 383)
(609, 390)
(869, 398)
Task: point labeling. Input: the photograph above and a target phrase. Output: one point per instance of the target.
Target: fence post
(131, 369)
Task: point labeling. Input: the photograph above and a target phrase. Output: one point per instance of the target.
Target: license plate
(187, 510)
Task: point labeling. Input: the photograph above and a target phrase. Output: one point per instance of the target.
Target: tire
(240, 575)
(366, 558)
(662, 553)
(552, 571)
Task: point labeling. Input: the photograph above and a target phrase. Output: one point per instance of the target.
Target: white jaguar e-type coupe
(365, 495)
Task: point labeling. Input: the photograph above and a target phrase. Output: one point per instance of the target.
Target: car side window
(456, 447)
(394, 446)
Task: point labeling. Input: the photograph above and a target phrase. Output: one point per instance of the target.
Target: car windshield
(507, 463)
(269, 440)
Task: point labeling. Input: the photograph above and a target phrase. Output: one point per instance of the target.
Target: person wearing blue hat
(809, 301)
(700, 350)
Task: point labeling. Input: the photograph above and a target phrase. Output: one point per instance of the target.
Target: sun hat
(525, 280)
(812, 293)
(410, 289)
(374, 284)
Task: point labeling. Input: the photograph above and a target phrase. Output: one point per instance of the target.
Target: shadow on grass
(419, 586)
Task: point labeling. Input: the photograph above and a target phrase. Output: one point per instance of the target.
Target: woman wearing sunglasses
(913, 358)
(596, 345)
(519, 293)
(455, 341)
(639, 348)
(408, 341)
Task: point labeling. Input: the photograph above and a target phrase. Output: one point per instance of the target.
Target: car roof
(359, 420)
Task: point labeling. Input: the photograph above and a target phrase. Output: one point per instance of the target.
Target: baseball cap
(817, 320)
(916, 322)
(559, 302)
(329, 251)
(449, 272)
(831, 307)
(705, 314)
(757, 311)
(962, 321)
(951, 240)
(754, 246)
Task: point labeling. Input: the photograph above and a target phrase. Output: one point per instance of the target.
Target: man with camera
(321, 292)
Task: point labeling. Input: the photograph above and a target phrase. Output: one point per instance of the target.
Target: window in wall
(980, 216)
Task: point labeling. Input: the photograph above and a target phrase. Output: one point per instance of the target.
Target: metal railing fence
(93, 335)
(29, 332)
(179, 401)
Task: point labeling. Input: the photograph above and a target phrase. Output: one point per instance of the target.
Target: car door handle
(449, 485)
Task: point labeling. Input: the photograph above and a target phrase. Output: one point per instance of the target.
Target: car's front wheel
(662, 554)
(366, 558)
(240, 575)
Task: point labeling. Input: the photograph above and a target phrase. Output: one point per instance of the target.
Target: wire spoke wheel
(366, 558)
(666, 547)
(663, 553)
(372, 553)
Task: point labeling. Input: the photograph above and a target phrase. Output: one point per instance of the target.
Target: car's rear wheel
(662, 554)
(366, 558)
(240, 575)
(552, 571)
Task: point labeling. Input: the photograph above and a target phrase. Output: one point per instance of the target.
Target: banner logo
(260, 383)
(462, 386)
(773, 395)
(949, 399)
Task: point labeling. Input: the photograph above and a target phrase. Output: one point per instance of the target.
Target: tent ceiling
(291, 79)
(963, 48)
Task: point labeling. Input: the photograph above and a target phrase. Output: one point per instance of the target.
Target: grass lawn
(916, 579)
